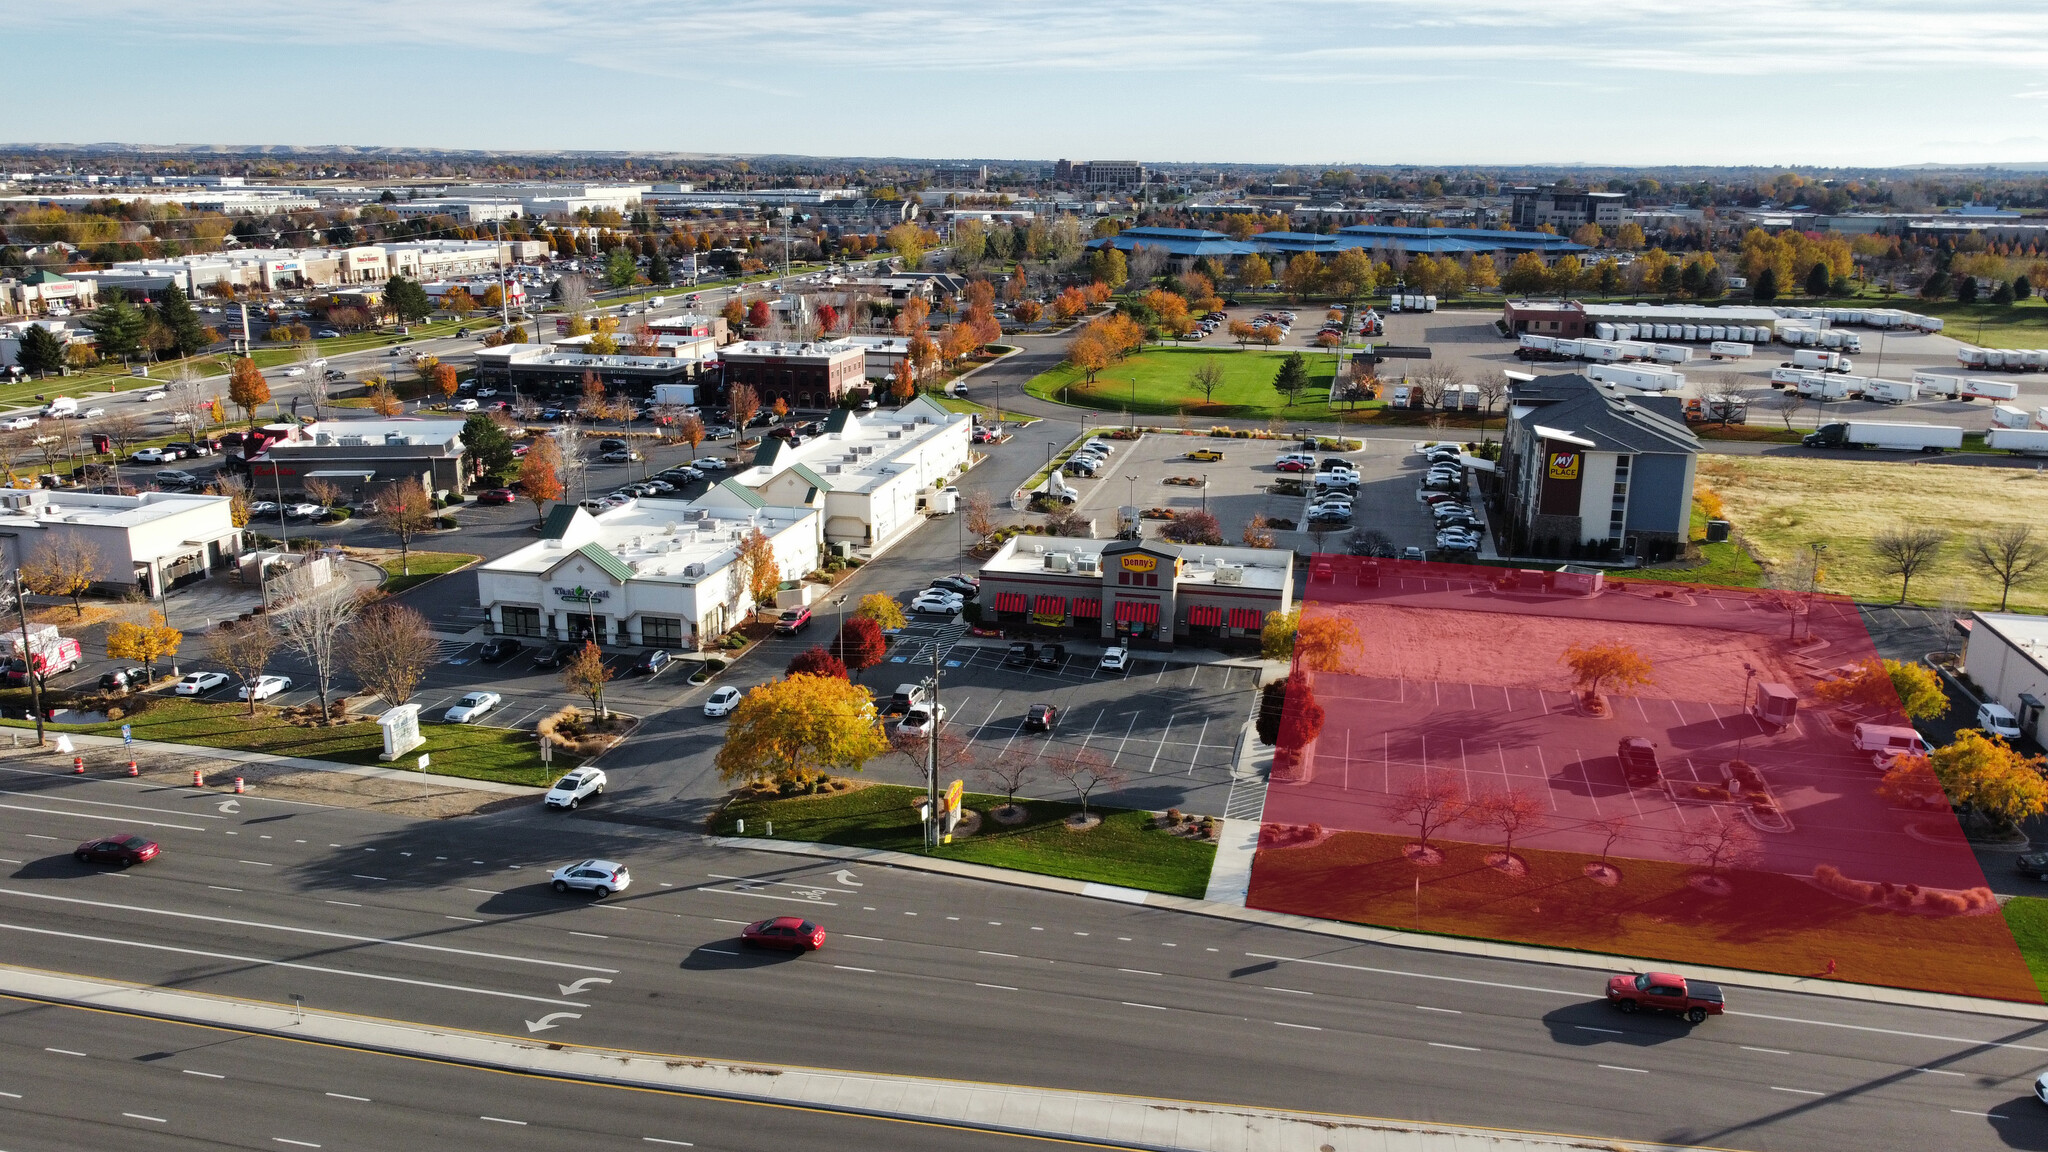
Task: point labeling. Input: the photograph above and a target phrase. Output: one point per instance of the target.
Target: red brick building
(1565, 318)
(812, 375)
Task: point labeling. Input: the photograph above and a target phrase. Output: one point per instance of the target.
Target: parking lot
(1246, 482)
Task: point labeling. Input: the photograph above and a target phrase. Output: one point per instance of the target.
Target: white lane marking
(851, 968)
(659, 1140)
(11, 1095)
(1797, 1091)
(1772, 1051)
(1986, 1115)
(1289, 991)
(293, 1143)
(140, 1116)
(1154, 1007)
(220, 888)
(98, 816)
(208, 1075)
(345, 1096)
(765, 896)
(998, 987)
(1590, 1028)
(778, 883)
(484, 891)
(307, 931)
(718, 951)
(1459, 1047)
(1004, 955)
(257, 863)
(288, 964)
(1890, 1032)
(111, 804)
(1937, 1072)
(464, 919)
(1619, 1068)
(741, 923)
(502, 1120)
(360, 876)
(5, 860)
(63, 1051)
(1303, 1027)
(592, 935)
(1445, 1011)
(34, 836)
(1137, 972)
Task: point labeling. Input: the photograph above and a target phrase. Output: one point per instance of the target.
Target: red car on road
(1666, 992)
(790, 932)
(496, 496)
(122, 848)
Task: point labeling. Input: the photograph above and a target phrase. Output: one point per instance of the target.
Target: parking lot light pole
(1748, 675)
(931, 765)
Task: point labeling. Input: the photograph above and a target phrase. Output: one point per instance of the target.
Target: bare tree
(323, 491)
(1790, 403)
(573, 294)
(1010, 771)
(1506, 812)
(2008, 554)
(1437, 381)
(1493, 388)
(1207, 377)
(1144, 265)
(389, 648)
(981, 515)
(121, 429)
(246, 651)
(1610, 829)
(405, 511)
(313, 617)
(1085, 771)
(1720, 844)
(1906, 551)
(13, 446)
(1429, 805)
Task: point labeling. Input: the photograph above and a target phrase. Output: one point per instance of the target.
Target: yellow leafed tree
(796, 730)
(149, 643)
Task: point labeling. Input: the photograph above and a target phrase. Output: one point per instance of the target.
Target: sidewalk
(159, 750)
(1137, 1122)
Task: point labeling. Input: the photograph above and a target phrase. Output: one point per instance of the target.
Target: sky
(1307, 82)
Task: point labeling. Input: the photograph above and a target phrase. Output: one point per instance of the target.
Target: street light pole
(931, 766)
(1748, 674)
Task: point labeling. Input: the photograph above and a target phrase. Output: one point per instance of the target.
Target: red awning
(1010, 602)
(1205, 616)
(1247, 618)
(1088, 608)
(1137, 612)
(1050, 606)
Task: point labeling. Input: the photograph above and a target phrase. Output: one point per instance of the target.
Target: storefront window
(519, 621)
(661, 632)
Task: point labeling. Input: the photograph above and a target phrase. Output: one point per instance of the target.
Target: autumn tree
(758, 314)
(1598, 666)
(881, 608)
(389, 649)
(1907, 550)
(149, 643)
(1508, 812)
(816, 661)
(247, 388)
(405, 510)
(65, 567)
(245, 650)
(1318, 642)
(1887, 685)
(760, 567)
(540, 478)
(1256, 533)
(793, 731)
(458, 302)
(1089, 352)
(1197, 527)
(860, 644)
(690, 430)
(1086, 771)
(981, 515)
(1429, 803)
(236, 489)
(383, 401)
(585, 674)
(2009, 554)
(445, 382)
(742, 404)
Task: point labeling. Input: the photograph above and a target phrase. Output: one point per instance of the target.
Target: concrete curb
(240, 756)
(1394, 937)
(1102, 1119)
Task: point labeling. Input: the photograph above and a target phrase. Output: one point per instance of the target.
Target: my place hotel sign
(1563, 465)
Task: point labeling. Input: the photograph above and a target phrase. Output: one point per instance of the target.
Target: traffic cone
(198, 781)
(78, 765)
(238, 785)
(132, 771)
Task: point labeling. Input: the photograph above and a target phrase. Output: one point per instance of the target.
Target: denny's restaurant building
(1135, 591)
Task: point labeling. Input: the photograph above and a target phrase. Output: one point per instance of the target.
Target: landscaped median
(472, 751)
(1128, 848)
(420, 567)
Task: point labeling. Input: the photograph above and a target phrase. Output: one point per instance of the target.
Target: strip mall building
(1136, 591)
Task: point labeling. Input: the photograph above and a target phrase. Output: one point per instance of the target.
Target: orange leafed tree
(445, 382)
(247, 388)
(540, 475)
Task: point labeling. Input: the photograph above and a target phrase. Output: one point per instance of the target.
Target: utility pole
(931, 764)
(28, 659)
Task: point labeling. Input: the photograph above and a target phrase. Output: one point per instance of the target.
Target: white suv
(600, 878)
(575, 788)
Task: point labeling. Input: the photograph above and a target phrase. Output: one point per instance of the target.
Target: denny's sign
(1137, 562)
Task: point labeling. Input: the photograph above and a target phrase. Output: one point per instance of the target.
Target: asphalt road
(450, 923)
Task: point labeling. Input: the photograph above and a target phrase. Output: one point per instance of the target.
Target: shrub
(445, 522)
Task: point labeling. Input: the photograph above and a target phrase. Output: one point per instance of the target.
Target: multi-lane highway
(452, 923)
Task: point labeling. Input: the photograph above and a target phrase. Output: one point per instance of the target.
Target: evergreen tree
(2022, 287)
(488, 445)
(1693, 280)
(1765, 289)
(407, 300)
(1936, 286)
(176, 314)
(1966, 290)
(1716, 285)
(1292, 377)
(41, 352)
(1817, 280)
(657, 267)
(2002, 294)
(118, 327)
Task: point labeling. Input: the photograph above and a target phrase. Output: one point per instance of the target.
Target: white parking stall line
(1161, 745)
(1128, 729)
(1196, 758)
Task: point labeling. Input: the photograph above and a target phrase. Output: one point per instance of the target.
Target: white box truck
(1890, 391)
(2018, 441)
(1643, 378)
(1730, 350)
(1820, 361)
(1931, 438)
(2009, 416)
(679, 395)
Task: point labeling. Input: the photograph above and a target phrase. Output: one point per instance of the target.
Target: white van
(61, 406)
(1886, 742)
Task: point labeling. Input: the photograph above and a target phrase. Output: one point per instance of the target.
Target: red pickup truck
(1665, 992)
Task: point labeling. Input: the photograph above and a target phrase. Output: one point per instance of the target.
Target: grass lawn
(1161, 379)
(1727, 564)
(1769, 923)
(420, 567)
(1780, 507)
(2027, 916)
(2023, 325)
(470, 750)
(1124, 849)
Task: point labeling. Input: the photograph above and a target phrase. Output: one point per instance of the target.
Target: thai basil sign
(582, 595)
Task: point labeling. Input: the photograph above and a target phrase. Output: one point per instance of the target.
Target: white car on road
(574, 788)
(722, 701)
(295, 370)
(708, 464)
(600, 878)
(1115, 660)
(200, 683)
(155, 394)
(471, 707)
(20, 423)
(264, 688)
(935, 600)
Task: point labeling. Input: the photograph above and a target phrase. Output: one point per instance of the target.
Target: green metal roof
(746, 494)
(612, 565)
(804, 470)
(557, 524)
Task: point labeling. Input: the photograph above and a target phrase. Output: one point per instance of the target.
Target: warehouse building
(1136, 591)
(362, 456)
(538, 369)
(1591, 469)
(2007, 657)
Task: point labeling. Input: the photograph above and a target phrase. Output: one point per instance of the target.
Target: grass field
(1124, 849)
(2023, 325)
(469, 750)
(1156, 381)
(1770, 923)
(1781, 507)
(421, 567)
(1727, 564)
(2027, 916)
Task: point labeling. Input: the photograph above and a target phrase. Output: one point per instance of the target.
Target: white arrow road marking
(845, 876)
(581, 986)
(548, 1021)
(231, 805)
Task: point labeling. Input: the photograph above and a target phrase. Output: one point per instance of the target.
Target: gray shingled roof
(1604, 414)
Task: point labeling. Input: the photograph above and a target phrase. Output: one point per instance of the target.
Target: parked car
(1021, 654)
(792, 933)
(722, 701)
(156, 455)
(305, 511)
(622, 456)
(708, 464)
(1040, 718)
(654, 661)
(1666, 992)
(792, 621)
(919, 720)
(1638, 756)
(264, 688)
(200, 683)
(471, 707)
(1052, 656)
(1116, 659)
(122, 849)
(499, 648)
(966, 586)
(1206, 455)
(191, 447)
(1998, 720)
(600, 878)
(122, 679)
(935, 600)
(496, 496)
(575, 788)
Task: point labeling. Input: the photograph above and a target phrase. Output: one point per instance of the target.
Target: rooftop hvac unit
(1229, 575)
(850, 457)
(693, 570)
(1058, 561)
(832, 469)
(1088, 565)
(910, 426)
(866, 449)
(346, 441)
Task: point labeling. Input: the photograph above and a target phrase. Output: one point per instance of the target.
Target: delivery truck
(1718, 409)
(2018, 441)
(2009, 416)
(1819, 360)
(1878, 434)
(1730, 350)
(1889, 391)
(1824, 386)
(1782, 377)
(1641, 377)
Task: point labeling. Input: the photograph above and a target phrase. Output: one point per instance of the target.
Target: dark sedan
(550, 658)
(791, 933)
(1040, 718)
(122, 849)
(965, 585)
(122, 679)
(500, 648)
